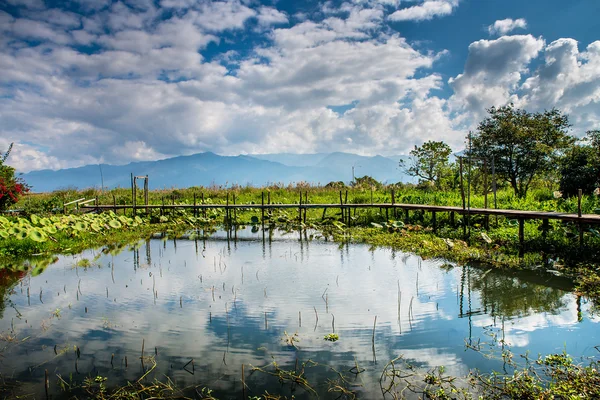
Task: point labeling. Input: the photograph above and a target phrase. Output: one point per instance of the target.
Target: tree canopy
(523, 145)
(580, 166)
(429, 162)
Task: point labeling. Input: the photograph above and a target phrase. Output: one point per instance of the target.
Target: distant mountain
(292, 160)
(206, 169)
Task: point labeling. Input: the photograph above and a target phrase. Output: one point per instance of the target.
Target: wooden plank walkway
(593, 219)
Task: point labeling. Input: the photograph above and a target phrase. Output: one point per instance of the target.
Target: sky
(104, 81)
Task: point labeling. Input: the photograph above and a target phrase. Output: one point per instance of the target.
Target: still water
(232, 298)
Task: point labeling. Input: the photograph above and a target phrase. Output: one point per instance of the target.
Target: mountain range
(205, 169)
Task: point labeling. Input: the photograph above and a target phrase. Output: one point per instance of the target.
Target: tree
(429, 162)
(523, 145)
(580, 166)
(11, 187)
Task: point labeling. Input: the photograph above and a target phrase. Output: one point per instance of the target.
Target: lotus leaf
(21, 235)
(4, 234)
(114, 223)
(254, 219)
(34, 219)
(4, 221)
(138, 219)
(80, 226)
(50, 229)
(37, 235)
(45, 221)
(15, 230)
(95, 227)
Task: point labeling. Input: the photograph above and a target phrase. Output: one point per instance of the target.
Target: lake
(259, 298)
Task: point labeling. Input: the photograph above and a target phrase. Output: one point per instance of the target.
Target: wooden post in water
(521, 237)
(262, 211)
(132, 194)
(227, 209)
(394, 202)
(234, 209)
(162, 209)
(203, 209)
(462, 195)
(485, 197)
(342, 206)
(269, 202)
(300, 209)
(195, 210)
(146, 197)
(114, 204)
(305, 202)
(434, 221)
(545, 228)
(579, 195)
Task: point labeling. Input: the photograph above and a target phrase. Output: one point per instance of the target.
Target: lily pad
(80, 226)
(95, 227)
(115, 223)
(37, 235)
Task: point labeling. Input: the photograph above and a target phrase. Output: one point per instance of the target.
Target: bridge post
(262, 210)
(521, 237)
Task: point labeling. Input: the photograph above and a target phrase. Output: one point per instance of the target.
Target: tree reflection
(517, 294)
(8, 280)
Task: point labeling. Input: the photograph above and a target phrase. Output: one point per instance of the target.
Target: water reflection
(229, 298)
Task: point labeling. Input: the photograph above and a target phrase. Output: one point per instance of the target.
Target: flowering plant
(11, 186)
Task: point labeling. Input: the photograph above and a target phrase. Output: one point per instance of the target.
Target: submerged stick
(374, 324)
(243, 377)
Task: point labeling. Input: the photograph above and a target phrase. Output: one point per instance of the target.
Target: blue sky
(90, 81)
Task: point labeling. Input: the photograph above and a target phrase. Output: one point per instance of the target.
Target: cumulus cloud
(504, 26)
(426, 11)
(493, 71)
(271, 16)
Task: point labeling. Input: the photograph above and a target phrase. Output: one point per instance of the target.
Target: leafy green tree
(429, 162)
(366, 182)
(11, 187)
(524, 145)
(580, 166)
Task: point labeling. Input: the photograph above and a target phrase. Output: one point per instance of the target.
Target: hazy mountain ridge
(204, 169)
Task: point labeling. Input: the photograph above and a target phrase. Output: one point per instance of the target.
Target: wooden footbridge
(346, 210)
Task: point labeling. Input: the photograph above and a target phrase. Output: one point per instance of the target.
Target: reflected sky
(228, 300)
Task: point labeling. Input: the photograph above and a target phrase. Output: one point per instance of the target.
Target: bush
(11, 187)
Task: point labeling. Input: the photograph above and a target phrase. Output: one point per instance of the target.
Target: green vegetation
(11, 187)
(429, 163)
(524, 146)
(332, 337)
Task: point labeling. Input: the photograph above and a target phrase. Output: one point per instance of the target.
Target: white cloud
(271, 16)
(426, 11)
(504, 26)
(493, 71)
(222, 15)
